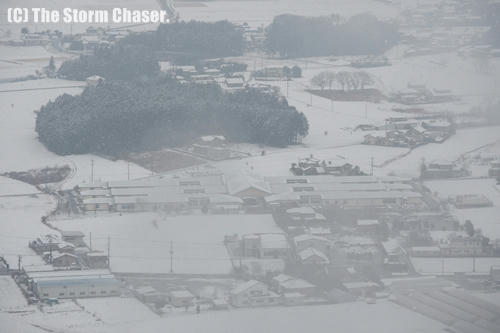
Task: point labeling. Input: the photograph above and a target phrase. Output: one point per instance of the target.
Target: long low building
(349, 199)
(74, 284)
(218, 193)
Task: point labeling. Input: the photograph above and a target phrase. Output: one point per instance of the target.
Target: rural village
(389, 206)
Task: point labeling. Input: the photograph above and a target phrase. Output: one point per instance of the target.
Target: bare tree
(331, 77)
(320, 80)
(343, 79)
(365, 79)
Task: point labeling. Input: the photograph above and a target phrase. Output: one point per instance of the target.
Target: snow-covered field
(140, 243)
(105, 309)
(384, 317)
(20, 223)
(11, 297)
(486, 218)
(19, 145)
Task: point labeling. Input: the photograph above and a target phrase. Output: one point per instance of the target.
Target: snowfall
(141, 242)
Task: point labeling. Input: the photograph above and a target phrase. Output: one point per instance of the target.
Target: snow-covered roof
(241, 183)
(307, 237)
(425, 249)
(100, 200)
(365, 223)
(181, 294)
(342, 195)
(245, 286)
(296, 284)
(282, 278)
(301, 210)
(273, 241)
(360, 284)
(312, 252)
(72, 233)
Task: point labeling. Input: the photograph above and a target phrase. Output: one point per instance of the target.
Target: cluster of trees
(123, 116)
(137, 55)
(279, 72)
(298, 36)
(120, 62)
(349, 80)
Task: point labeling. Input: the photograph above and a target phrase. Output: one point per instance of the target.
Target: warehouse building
(74, 284)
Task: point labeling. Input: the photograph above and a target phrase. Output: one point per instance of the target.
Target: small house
(97, 259)
(361, 288)
(306, 241)
(284, 284)
(368, 226)
(64, 260)
(425, 251)
(148, 294)
(73, 237)
(94, 81)
(292, 299)
(311, 256)
(253, 293)
(181, 298)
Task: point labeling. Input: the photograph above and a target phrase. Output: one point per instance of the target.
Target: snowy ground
(437, 266)
(20, 223)
(19, 145)
(11, 297)
(110, 316)
(343, 317)
(105, 309)
(140, 243)
(489, 297)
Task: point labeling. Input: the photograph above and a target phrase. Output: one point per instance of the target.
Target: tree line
(299, 36)
(117, 117)
(137, 55)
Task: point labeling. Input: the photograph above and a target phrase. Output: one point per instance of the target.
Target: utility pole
(19, 260)
(171, 257)
(287, 79)
(371, 165)
(128, 170)
(92, 170)
(50, 250)
(109, 252)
